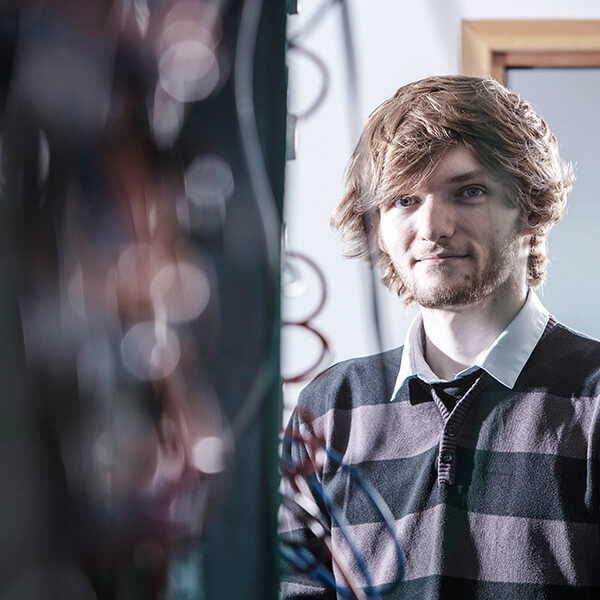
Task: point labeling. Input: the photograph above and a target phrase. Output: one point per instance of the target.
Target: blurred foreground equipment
(142, 147)
(318, 545)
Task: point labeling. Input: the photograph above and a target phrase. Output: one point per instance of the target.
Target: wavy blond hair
(405, 138)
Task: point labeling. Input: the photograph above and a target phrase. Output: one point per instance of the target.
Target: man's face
(455, 240)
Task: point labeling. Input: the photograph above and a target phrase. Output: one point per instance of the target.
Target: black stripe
(516, 484)
(356, 382)
(575, 361)
(465, 589)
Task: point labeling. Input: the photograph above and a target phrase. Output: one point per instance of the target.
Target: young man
(482, 432)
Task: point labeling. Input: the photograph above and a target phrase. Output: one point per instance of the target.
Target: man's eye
(404, 201)
(472, 192)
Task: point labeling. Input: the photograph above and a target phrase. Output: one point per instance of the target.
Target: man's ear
(530, 224)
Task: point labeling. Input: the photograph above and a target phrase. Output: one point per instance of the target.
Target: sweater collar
(503, 360)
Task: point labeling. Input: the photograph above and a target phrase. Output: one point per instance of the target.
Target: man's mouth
(441, 258)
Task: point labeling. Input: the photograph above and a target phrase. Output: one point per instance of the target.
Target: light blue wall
(568, 101)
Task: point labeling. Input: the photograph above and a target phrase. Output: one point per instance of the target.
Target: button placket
(447, 453)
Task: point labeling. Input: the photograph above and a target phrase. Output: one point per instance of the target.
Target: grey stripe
(447, 541)
(535, 422)
(384, 431)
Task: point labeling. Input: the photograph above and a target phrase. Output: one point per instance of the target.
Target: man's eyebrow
(469, 175)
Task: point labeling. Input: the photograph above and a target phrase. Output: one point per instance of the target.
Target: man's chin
(446, 297)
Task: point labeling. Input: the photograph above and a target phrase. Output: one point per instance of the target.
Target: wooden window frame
(490, 47)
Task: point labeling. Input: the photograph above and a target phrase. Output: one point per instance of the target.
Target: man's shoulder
(569, 359)
(560, 339)
(354, 382)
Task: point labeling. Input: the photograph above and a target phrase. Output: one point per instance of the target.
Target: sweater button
(446, 457)
(451, 431)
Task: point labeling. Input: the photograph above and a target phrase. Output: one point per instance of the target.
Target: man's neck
(456, 337)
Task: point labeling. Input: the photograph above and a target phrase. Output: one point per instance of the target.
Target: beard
(448, 288)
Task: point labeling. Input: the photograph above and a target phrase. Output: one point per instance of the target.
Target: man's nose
(436, 219)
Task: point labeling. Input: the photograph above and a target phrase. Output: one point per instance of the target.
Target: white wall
(396, 42)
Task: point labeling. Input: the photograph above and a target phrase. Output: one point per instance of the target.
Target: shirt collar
(503, 360)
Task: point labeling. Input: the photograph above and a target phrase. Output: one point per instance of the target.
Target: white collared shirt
(503, 360)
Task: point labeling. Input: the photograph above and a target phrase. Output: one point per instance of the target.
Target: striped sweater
(496, 500)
